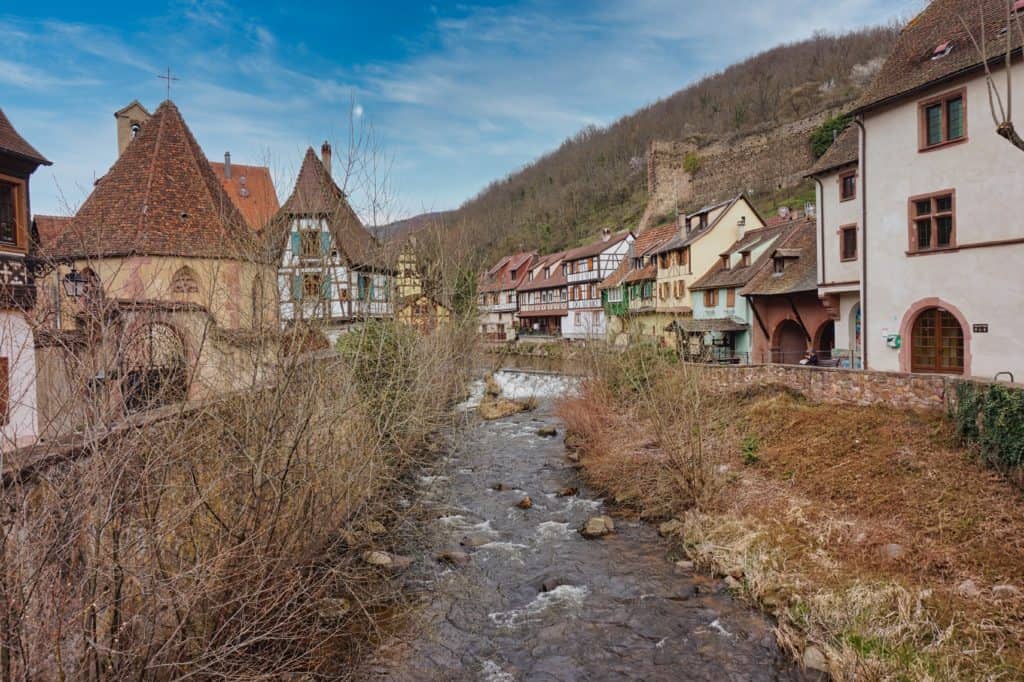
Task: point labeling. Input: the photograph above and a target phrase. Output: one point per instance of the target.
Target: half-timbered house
(497, 301)
(543, 299)
(585, 268)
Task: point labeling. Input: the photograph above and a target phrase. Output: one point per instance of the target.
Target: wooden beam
(760, 322)
(789, 297)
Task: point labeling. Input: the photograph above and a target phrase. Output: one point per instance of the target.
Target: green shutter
(325, 243)
(296, 287)
(325, 287)
(295, 244)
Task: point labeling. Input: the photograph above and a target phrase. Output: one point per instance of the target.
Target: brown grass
(810, 494)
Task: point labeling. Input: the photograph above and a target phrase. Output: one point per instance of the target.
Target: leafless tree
(1000, 103)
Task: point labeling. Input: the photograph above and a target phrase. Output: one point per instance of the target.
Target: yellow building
(157, 277)
(703, 237)
(415, 305)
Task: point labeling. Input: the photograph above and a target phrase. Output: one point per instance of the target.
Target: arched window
(937, 343)
(184, 282)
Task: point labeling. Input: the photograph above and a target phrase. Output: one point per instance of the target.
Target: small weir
(537, 601)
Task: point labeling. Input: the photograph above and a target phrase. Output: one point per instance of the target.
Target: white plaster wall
(833, 214)
(16, 344)
(984, 284)
(591, 324)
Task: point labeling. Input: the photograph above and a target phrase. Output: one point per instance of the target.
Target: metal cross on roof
(168, 77)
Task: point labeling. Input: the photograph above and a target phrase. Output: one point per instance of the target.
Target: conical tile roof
(160, 198)
(13, 143)
(317, 195)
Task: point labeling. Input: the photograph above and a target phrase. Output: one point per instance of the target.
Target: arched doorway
(826, 340)
(154, 371)
(936, 342)
(789, 343)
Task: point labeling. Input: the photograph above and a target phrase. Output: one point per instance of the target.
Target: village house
(838, 215)
(497, 300)
(628, 293)
(332, 272)
(543, 298)
(585, 268)
(941, 240)
(153, 289)
(789, 318)
(721, 329)
(18, 418)
(415, 303)
(701, 238)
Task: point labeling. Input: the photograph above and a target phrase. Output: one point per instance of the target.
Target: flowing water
(537, 601)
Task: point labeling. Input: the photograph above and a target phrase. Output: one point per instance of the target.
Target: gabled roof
(738, 276)
(683, 239)
(47, 229)
(911, 67)
(798, 245)
(160, 198)
(131, 105)
(317, 195)
(844, 151)
(499, 278)
(596, 247)
(539, 268)
(251, 188)
(13, 143)
(645, 243)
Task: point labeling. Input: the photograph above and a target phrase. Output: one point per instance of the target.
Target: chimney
(227, 165)
(325, 155)
(606, 234)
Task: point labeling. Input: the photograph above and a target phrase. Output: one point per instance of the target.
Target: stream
(537, 601)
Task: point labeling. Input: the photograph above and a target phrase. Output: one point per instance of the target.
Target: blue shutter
(362, 287)
(296, 287)
(325, 244)
(325, 287)
(295, 244)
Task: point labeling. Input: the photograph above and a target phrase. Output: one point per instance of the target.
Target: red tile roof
(910, 67)
(599, 246)
(499, 278)
(737, 276)
(540, 281)
(799, 245)
(48, 229)
(251, 188)
(646, 242)
(845, 150)
(160, 198)
(13, 143)
(317, 195)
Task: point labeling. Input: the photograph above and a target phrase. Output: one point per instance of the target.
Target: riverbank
(882, 548)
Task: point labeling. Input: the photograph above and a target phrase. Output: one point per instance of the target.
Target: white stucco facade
(18, 351)
(586, 318)
(978, 278)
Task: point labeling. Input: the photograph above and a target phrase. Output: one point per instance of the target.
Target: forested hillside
(598, 178)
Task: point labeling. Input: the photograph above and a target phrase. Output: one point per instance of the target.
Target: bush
(992, 417)
(692, 162)
(827, 132)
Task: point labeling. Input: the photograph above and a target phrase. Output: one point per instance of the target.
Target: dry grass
(810, 496)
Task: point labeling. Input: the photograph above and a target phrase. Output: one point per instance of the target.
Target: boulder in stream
(670, 528)
(525, 503)
(597, 526)
(492, 408)
(377, 558)
(475, 540)
(568, 492)
(547, 432)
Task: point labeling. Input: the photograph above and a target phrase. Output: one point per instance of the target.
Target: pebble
(376, 558)
(597, 526)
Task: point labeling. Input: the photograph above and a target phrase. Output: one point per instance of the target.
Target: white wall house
(330, 271)
(585, 268)
(942, 237)
(838, 217)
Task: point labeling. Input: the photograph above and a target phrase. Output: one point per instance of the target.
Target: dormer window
(513, 273)
(724, 258)
(779, 265)
(942, 49)
(745, 259)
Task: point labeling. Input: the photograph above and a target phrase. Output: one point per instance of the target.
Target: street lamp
(75, 283)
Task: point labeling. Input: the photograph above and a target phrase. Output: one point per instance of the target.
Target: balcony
(589, 276)
(498, 308)
(585, 304)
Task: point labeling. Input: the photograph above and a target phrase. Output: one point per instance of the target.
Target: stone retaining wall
(846, 386)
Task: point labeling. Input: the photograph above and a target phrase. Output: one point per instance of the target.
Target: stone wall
(766, 161)
(845, 386)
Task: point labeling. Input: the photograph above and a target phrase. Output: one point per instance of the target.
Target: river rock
(453, 557)
(333, 609)
(377, 558)
(375, 528)
(597, 526)
(814, 659)
(547, 432)
(670, 528)
(893, 551)
(568, 492)
(475, 540)
(1005, 591)
(499, 408)
(572, 456)
(525, 503)
(968, 589)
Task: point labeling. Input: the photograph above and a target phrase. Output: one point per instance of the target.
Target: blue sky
(458, 94)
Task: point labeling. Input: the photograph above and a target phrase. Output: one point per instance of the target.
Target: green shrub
(992, 417)
(750, 447)
(823, 137)
(692, 162)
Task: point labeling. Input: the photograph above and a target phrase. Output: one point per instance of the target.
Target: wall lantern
(75, 283)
